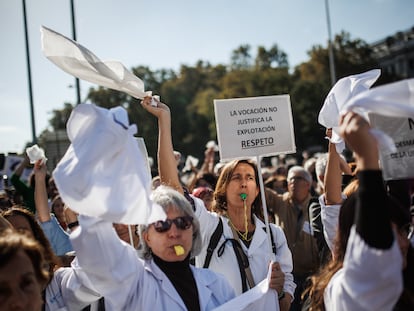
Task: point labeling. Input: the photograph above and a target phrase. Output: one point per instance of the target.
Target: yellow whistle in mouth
(179, 250)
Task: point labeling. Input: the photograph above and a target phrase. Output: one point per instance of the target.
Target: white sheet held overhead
(78, 61)
(103, 173)
(345, 89)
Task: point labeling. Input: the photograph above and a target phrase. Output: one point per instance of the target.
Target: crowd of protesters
(341, 236)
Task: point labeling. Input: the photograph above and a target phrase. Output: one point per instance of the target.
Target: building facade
(395, 54)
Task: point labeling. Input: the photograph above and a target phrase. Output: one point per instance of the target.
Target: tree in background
(191, 91)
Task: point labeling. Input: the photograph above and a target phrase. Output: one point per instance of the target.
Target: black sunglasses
(182, 223)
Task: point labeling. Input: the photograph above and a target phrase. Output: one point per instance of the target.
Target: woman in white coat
(238, 188)
(365, 272)
(162, 278)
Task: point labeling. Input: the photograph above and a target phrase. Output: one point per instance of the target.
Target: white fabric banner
(78, 61)
(103, 173)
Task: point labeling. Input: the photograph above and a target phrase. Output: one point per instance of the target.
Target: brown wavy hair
(319, 281)
(11, 242)
(220, 201)
(38, 234)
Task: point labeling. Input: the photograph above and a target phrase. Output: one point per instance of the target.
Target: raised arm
(372, 197)
(58, 238)
(167, 166)
(21, 187)
(41, 202)
(333, 175)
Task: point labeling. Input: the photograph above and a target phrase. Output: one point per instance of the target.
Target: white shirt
(329, 217)
(68, 290)
(371, 279)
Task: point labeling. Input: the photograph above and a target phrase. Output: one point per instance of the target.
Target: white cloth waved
(345, 89)
(78, 61)
(103, 173)
(392, 100)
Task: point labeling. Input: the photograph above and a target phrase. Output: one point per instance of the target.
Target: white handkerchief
(36, 153)
(103, 173)
(78, 61)
(392, 100)
(341, 92)
(190, 162)
(212, 144)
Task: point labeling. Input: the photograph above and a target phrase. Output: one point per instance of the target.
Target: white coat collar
(205, 280)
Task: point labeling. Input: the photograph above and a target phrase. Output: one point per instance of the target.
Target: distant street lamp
(72, 8)
(29, 74)
(330, 46)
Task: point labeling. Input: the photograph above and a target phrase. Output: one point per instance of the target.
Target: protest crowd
(104, 231)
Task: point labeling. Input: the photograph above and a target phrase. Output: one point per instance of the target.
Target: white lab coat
(257, 253)
(329, 217)
(130, 283)
(371, 279)
(69, 290)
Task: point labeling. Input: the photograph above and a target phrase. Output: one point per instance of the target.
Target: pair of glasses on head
(182, 223)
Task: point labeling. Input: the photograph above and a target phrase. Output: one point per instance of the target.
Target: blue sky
(165, 34)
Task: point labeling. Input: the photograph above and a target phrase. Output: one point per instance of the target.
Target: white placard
(399, 164)
(254, 126)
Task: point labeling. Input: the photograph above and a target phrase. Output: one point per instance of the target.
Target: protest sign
(254, 126)
(397, 164)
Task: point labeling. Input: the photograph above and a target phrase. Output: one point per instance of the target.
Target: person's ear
(147, 240)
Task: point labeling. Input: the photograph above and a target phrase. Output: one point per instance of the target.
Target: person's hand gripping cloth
(345, 89)
(78, 61)
(103, 173)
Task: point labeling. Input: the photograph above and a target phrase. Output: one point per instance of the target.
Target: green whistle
(243, 196)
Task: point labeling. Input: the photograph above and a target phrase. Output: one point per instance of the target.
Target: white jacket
(257, 253)
(69, 290)
(130, 283)
(370, 279)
